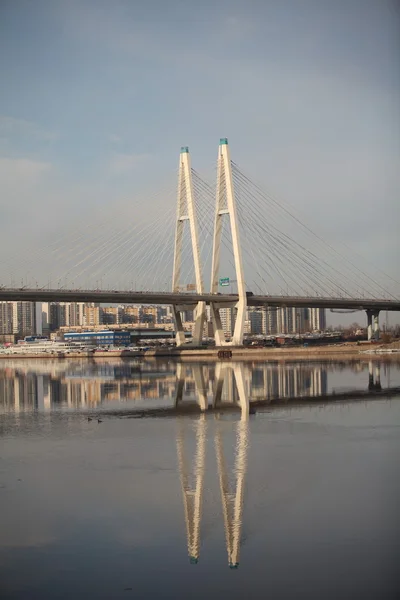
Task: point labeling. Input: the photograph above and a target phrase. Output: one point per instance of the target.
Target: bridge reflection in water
(168, 387)
(232, 485)
(231, 385)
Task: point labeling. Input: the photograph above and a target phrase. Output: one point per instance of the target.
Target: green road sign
(224, 281)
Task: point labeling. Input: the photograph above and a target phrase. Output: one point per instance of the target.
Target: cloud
(122, 163)
(21, 171)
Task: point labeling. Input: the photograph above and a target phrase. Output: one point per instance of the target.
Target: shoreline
(341, 351)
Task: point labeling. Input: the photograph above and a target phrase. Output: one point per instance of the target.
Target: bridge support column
(219, 334)
(369, 324)
(199, 320)
(375, 315)
(373, 324)
(179, 331)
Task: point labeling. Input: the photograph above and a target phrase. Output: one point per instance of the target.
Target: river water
(160, 499)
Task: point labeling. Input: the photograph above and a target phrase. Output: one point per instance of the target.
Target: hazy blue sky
(98, 96)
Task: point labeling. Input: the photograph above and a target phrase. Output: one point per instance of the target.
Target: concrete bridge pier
(179, 331)
(375, 316)
(373, 324)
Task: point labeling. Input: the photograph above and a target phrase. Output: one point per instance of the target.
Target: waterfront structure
(43, 346)
(100, 338)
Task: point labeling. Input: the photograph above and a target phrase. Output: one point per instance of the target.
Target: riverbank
(363, 351)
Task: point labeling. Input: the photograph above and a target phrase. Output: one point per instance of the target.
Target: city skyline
(22, 319)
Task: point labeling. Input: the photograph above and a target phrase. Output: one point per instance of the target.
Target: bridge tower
(186, 212)
(225, 205)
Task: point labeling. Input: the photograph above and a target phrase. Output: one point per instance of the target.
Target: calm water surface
(300, 500)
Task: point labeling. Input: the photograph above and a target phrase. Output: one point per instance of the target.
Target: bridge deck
(168, 298)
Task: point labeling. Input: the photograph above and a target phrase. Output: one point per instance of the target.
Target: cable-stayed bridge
(248, 243)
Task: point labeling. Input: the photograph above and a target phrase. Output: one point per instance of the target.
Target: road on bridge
(190, 299)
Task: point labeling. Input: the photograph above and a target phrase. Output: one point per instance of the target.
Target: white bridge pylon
(225, 205)
(186, 212)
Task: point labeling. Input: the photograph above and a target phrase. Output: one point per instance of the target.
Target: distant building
(292, 320)
(61, 314)
(270, 320)
(131, 314)
(273, 320)
(228, 317)
(255, 318)
(24, 318)
(75, 313)
(113, 315)
(317, 319)
(92, 314)
(6, 318)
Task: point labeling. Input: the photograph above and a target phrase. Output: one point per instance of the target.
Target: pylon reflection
(231, 481)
